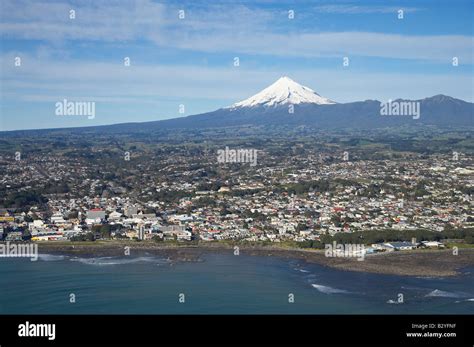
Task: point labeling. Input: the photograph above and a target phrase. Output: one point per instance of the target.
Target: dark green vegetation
(377, 236)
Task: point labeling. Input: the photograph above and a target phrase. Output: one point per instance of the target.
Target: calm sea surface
(220, 284)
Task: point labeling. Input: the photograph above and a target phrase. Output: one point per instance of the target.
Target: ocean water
(220, 284)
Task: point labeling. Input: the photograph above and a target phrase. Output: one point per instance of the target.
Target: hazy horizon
(131, 121)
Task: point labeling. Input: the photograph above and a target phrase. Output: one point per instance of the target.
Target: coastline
(420, 263)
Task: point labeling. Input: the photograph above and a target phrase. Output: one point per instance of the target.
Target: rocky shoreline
(421, 263)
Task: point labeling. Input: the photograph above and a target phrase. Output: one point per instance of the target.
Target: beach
(420, 263)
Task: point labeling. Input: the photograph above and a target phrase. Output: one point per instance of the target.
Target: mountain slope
(270, 107)
(438, 110)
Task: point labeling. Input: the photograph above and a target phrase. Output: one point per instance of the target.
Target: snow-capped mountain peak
(284, 91)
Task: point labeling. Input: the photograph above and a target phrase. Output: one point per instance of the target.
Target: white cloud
(219, 28)
(94, 21)
(357, 9)
(436, 48)
(47, 80)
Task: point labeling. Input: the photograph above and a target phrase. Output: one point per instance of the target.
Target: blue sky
(190, 61)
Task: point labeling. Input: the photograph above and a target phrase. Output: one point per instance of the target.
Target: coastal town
(190, 195)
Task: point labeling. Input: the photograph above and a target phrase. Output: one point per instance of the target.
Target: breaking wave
(442, 294)
(51, 257)
(328, 290)
(104, 261)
